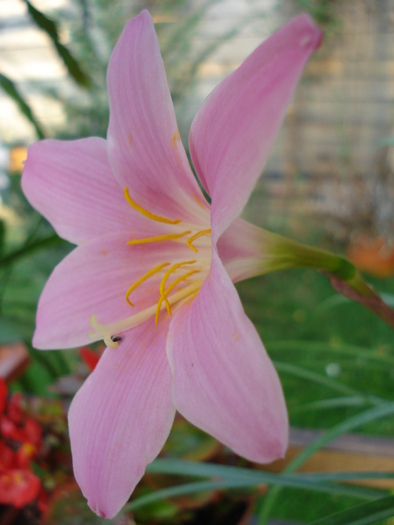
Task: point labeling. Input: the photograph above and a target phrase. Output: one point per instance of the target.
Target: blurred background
(329, 183)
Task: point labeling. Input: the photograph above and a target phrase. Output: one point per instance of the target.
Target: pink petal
(224, 381)
(232, 134)
(72, 185)
(121, 417)
(145, 149)
(93, 280)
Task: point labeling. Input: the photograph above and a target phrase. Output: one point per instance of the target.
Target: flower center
(183, 287)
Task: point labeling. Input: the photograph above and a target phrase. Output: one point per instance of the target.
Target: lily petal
(93, 280)
(145, 149)
(121, 417)
(224, 381)
(232, 133)
(72, 185)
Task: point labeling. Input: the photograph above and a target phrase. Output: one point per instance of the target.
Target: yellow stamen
(170, 271)
(167, 237)
(147, 213)
(169, 289)
(158, 308)
(154, 270)
(196, 236)
(105, 331)
(178, 280)
(162, 285)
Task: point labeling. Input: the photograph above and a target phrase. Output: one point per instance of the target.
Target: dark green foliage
(9, 87)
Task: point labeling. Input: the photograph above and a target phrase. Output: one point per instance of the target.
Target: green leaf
(336, 431)
(11, 90)
(50, 28)
(201, 486)
(9, 332)
(361, 514)
(183, 467)
(325, 381)
(187, 488)
(255, 477)
(327, 404)
(320, 347)
(51, 240)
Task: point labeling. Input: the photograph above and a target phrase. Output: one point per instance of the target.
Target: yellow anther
(167, 237)
(163, 293)
(169, 289)
(179, 280)
(201, 233)
(147, 213)
(154, 270)
(106, 331)
(162, 298)
(170, 271)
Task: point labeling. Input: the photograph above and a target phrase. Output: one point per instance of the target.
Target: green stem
(285, 253)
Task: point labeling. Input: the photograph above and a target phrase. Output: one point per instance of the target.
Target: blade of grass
(317, 346)
(336, 431)
(309, 375)
(50, 28)
(201, 486)
(327, 404)
(206, 470)
(363, 514)
(255, 477)
(187, 488)
(11, 90)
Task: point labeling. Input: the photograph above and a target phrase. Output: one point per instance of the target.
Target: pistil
(106, 331)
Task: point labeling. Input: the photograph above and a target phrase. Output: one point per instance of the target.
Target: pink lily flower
(152, 274)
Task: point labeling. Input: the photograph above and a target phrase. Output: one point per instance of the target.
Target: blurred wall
(329, 162)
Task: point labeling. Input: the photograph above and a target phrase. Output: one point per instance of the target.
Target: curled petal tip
(313, 35)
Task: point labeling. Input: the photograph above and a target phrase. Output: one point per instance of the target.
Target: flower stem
(343, 275)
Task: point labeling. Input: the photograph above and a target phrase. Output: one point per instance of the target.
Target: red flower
(18, 487)
(15, 409)
(7, 456)
(3, 394)
(89, 357)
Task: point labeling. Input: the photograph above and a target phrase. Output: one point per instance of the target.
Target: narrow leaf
(363, 514)
(51, 240)
(201, 486)
(336, 431)
(11, 90)
(256, 477)
(320, 347)
(50, 28)
(325, 381)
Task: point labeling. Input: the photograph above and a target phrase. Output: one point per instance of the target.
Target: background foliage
(334, 358)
